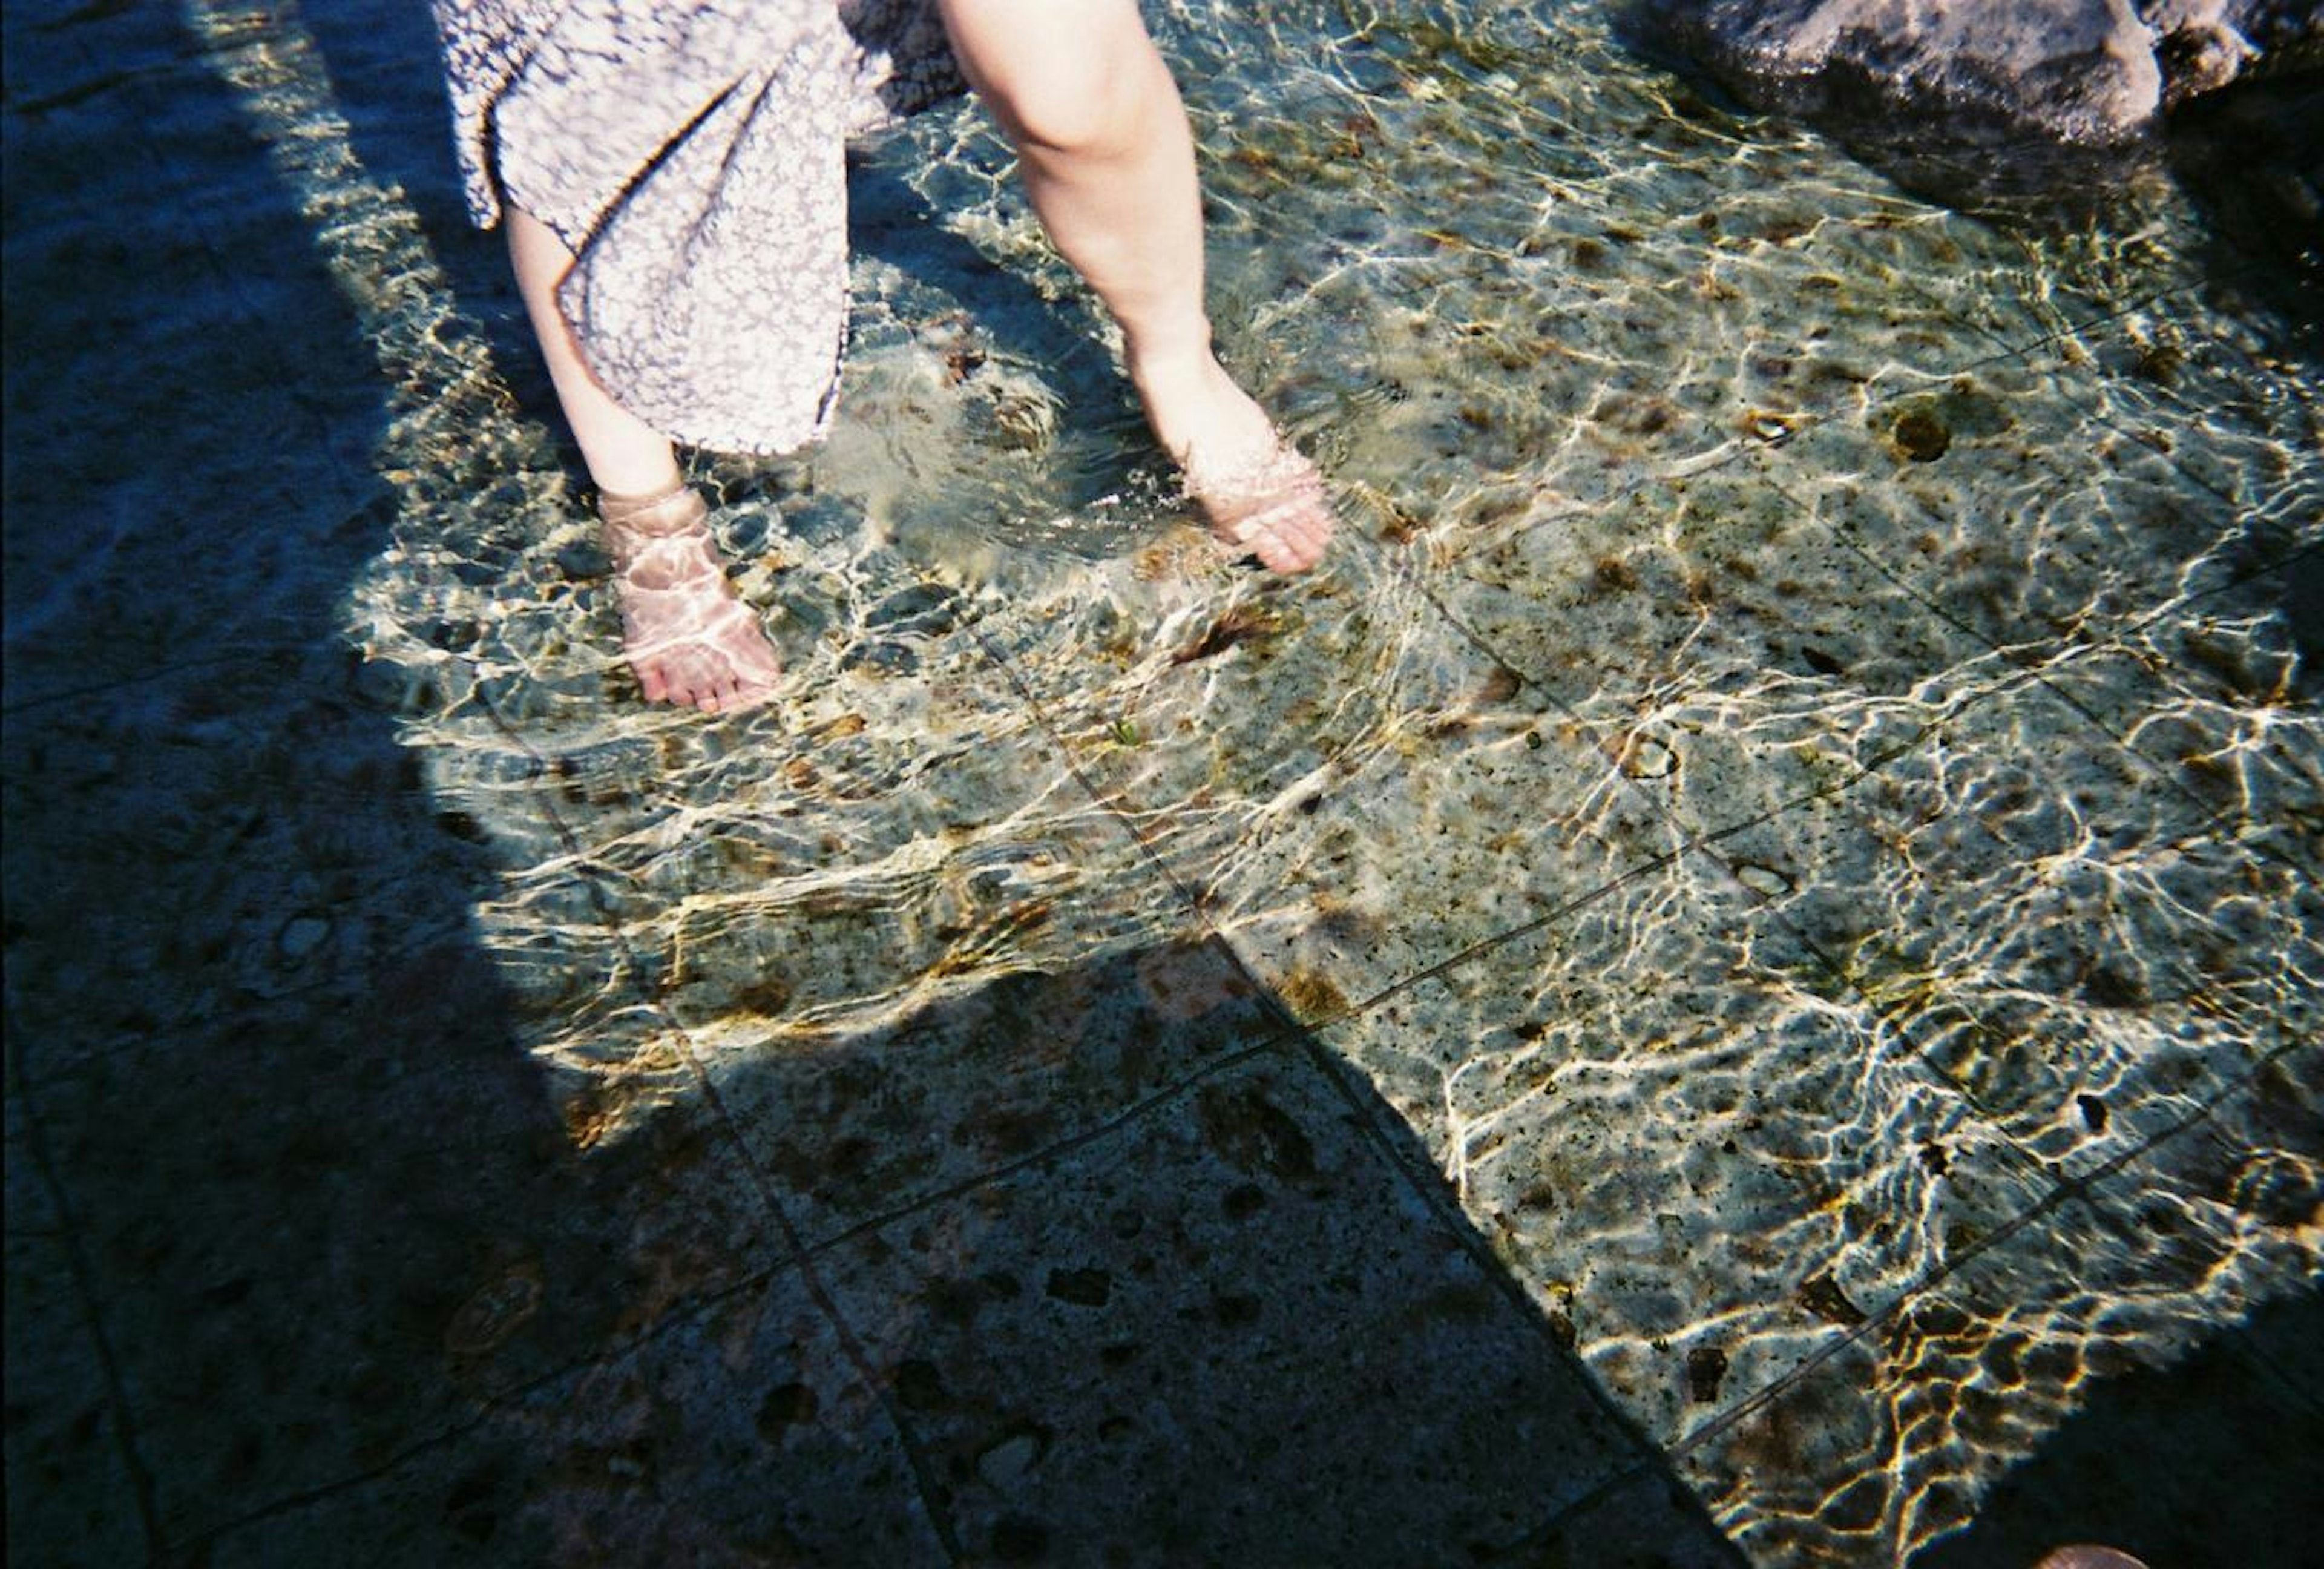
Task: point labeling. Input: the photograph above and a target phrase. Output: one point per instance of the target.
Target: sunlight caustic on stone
(1799, 785)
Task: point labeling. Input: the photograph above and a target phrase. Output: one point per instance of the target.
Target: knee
(1097, 105)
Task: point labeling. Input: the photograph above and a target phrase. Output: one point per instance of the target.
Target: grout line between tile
(930, 1490)
(500, 1400)
(84, 1280)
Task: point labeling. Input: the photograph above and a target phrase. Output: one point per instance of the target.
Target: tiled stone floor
(1736, 981)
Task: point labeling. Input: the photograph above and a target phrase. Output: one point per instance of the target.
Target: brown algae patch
(1920, 435)
(1312, 995)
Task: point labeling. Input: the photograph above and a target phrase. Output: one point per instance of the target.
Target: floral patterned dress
(691, 154)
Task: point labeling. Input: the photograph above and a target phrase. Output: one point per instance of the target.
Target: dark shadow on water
(254, 1047)
(2251, 156)
(2215, 1461)
(1125, 1276)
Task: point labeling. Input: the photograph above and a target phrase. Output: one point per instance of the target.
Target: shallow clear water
(1799, 784)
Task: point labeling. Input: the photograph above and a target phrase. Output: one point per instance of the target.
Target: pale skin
(1108, 160)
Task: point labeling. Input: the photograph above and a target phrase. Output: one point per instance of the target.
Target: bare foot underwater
(1261, 496)
(688, 635)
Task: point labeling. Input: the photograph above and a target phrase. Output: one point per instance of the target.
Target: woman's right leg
(687, 637)
(626, 455)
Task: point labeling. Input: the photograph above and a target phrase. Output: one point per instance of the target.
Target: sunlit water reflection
(1798, 752)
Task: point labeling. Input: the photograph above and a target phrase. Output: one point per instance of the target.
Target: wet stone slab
(2064, 936)
(2237, 1184)
(2216, 696)
(1231, 1331)
(2022, 502)
(320, 1239)
(1801, 1171)
(878, 836)
(2155, 1448)
(846, 941)
(1337, 792)
(2223, 399)
(736, 1434)
(2086, 1330)
(1721, 588)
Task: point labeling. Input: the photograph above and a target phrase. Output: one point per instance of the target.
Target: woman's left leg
(1109, 162)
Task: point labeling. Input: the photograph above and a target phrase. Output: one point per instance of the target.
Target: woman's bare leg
(1109, 163)
(687, 637)
(626, 455)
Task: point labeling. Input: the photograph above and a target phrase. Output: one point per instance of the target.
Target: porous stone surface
(1734, 979)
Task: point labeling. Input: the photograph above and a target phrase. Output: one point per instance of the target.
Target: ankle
(676, 510)
(1163, 354)
(635, 479)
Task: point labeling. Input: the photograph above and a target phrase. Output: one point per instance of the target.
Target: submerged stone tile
(320, 1238)
(1248, 693)
(1352, 797)
(1882, 1443)
(1731, 654)
(1484, 821)
(2218, 403)
(2072, 1332)
(981, 1075)
(740, 1434)
(2023, 504)
(1804, 274)
(2054, 930)
(1798, 1171)
(2021, 279)
(141, 408)
(2217, 694)
(852, 942)
(330, 1080)
(1722, 583)
(2224, 1208)
(1555, 332)
(1229, 1332)
(2147, 1461)
(1499, 369)
(902, 836)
